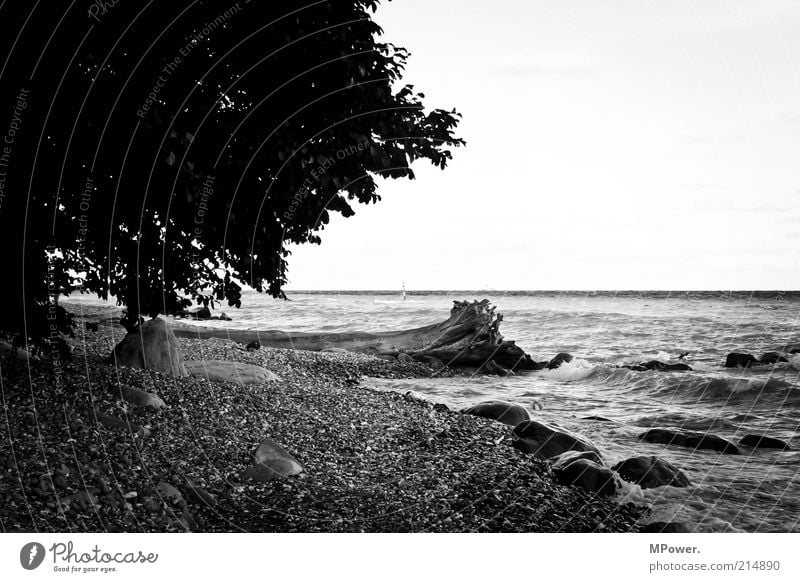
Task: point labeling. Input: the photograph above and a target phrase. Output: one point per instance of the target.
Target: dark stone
(253, 346)
(665, 527)
(587, 475)
(763, 442)
(200, 313)
(663, 367)
(404, 358)
(151, 346)
(92, 326)
(543, 441)
(736, 360)
(692, 440)
(772, 358)
(561, 358)
(505, 412)
(271, 461)
(598, 418)
(636, 368)
(651, 472)
(224, 317)
(565, 459)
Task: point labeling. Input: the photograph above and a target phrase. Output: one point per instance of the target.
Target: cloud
(564, 62)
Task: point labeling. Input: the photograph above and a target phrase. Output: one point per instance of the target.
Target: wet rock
(92, 326)
(271, 461)
(736, 360)
(236, 372)
(650, 471)
(560, 358)
(665, 527)
(505, 412)
(772, 358)
(692, 440)
(664, 367)
(598, 418)
(543, 441)
(152, 346)
(253, 346)
(763, 442)
(565, 459)
(587, 475)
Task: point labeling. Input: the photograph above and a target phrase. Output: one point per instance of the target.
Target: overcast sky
(611, 145)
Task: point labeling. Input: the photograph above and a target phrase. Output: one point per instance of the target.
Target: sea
(757, 491)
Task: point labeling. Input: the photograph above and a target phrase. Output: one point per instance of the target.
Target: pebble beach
(75, 456)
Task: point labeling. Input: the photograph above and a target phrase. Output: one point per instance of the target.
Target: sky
(611, 144)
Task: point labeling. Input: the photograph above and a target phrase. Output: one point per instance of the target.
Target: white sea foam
(573, 371)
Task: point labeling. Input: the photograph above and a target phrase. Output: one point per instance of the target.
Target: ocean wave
(574, 371)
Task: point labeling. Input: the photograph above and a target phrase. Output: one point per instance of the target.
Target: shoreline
(372, 460)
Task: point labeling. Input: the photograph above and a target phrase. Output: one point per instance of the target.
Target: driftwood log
(470, 337)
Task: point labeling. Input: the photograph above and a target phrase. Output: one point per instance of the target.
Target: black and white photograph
(397, 268)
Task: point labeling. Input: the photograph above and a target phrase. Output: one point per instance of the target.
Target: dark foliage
(169, 148)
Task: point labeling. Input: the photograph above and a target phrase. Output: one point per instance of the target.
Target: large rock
(543, 441)
(271, 461)
(692, 440)
(152, 346)
(505, 412)
(650, 472)
(565, 459)
(737, 360)
(763, 442)
(665, 367)
(562, 358)
(238, 372)
(587, 475)
(772, 358)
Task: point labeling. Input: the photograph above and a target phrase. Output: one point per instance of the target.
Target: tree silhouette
(165, 149)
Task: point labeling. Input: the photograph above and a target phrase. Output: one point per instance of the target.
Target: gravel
(76, 457)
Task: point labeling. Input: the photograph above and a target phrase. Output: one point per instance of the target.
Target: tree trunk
(470, 337)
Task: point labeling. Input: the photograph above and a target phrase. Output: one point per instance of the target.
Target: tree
(167, 149)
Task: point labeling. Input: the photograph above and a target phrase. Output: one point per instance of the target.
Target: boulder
(561, 358)
(543, 441)
(664, 367)
(140, 397)
(763, 442)
(565, 459)
(587, 475)
(201, 313)
(692, 440)
(152, 346)
(649, 472)
(236, 372)
(271, 461)
(404, 358)
(665, 527)
(224, 317)
(736, 360)
(772, 358)
(505, 412)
